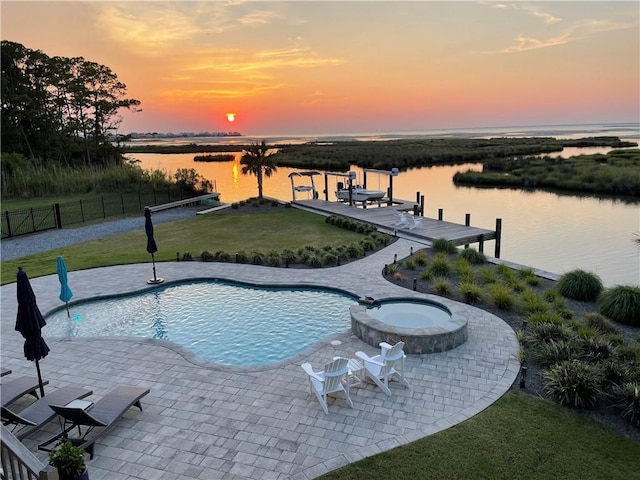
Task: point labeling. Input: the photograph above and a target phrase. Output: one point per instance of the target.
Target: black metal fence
(58, 215)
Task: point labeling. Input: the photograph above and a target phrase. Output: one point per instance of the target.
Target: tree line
(60, 109)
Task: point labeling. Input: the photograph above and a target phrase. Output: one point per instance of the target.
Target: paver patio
(209, 421)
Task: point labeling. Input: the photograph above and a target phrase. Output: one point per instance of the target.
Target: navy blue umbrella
(29, 323)
(152, 248)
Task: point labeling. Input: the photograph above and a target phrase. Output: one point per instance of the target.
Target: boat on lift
(358, 194)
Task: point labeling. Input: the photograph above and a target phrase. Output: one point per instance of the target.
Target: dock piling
(498, 236)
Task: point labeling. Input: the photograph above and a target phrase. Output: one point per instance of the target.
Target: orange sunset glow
(348, 67)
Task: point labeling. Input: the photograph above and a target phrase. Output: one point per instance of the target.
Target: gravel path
(51, 239)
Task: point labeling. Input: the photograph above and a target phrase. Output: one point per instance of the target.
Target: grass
(265, 231)
(517, 437)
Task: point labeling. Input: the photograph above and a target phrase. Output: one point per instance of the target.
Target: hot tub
(424, 326)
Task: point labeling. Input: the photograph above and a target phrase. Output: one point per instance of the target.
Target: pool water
(229, 323)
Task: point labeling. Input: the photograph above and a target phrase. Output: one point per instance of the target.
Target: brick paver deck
(207, 421)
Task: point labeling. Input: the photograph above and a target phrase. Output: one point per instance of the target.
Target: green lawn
(276, 230)
(519, 437)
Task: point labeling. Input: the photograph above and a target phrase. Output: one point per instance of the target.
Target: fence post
(440, 214)
(56, 212)
(104, 212)
(81, 211)
(122, 201)
(33, 220)
(422, 205)
(6, 215)
(139, 201)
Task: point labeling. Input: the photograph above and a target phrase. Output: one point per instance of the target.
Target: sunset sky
(329, 67)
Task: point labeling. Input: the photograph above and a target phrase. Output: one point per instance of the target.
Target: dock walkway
(385, 218)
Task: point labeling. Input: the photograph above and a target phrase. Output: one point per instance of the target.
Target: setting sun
(231, 117)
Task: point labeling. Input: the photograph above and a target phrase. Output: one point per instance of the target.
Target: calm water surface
(548, 231)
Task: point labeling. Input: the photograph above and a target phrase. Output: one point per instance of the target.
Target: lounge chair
(333, 379)
(15, 388)
(381, 368)
(39, 413)
(104, 413)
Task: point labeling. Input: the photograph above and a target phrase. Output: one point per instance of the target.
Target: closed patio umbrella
(152, 248)
(65, 291)
(29, 323)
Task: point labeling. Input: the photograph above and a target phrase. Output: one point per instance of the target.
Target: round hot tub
(424, 326)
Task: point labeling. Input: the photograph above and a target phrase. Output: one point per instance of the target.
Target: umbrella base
(155, 281)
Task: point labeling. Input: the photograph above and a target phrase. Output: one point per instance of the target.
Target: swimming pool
(224, 322)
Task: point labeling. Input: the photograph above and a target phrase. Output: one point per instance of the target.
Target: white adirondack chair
(413, 222)
(381, 368)
(401, 219)
(333, 379)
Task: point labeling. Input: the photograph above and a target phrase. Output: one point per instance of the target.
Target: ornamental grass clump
(627, 399)
(621, 304)
(442, 286)
(531, 303)
(546, 332)
(440, 266)
(444, 246)
(471, 292)
(420, 258)
(580, 285)
(595, 350)
(474, 257)
(501, 296)
(574, 384)
(600, 323)
(486, 275)
(553, 352)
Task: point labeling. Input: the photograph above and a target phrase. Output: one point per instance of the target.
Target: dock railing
(18, 463)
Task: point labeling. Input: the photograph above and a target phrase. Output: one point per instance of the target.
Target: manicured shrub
(222, 256)
(392, 269)
(314, 261)
(500, 296)
(289, 256)
(629, 354)
(274, 259)
(471, 292)
(187, 257)
(206, 256)
(440, 266)
(442, 286)
(621, 304)
(288, 205)
(600, 323)
(474, 257)
(329, 258)
(627, 399)
(550, 353)
(574, 384)
(368, 244)
(355, 250)
(443, 245)
(235, 205)
(257, 258)
(580, 285)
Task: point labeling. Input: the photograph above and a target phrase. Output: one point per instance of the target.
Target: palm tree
(257, 161)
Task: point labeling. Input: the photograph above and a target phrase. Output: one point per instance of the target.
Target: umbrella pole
(40, 379)
(153, 259)
(68, 312)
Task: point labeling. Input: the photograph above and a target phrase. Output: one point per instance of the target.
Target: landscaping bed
(417, 270)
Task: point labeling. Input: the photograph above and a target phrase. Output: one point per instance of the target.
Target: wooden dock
(385, 218)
